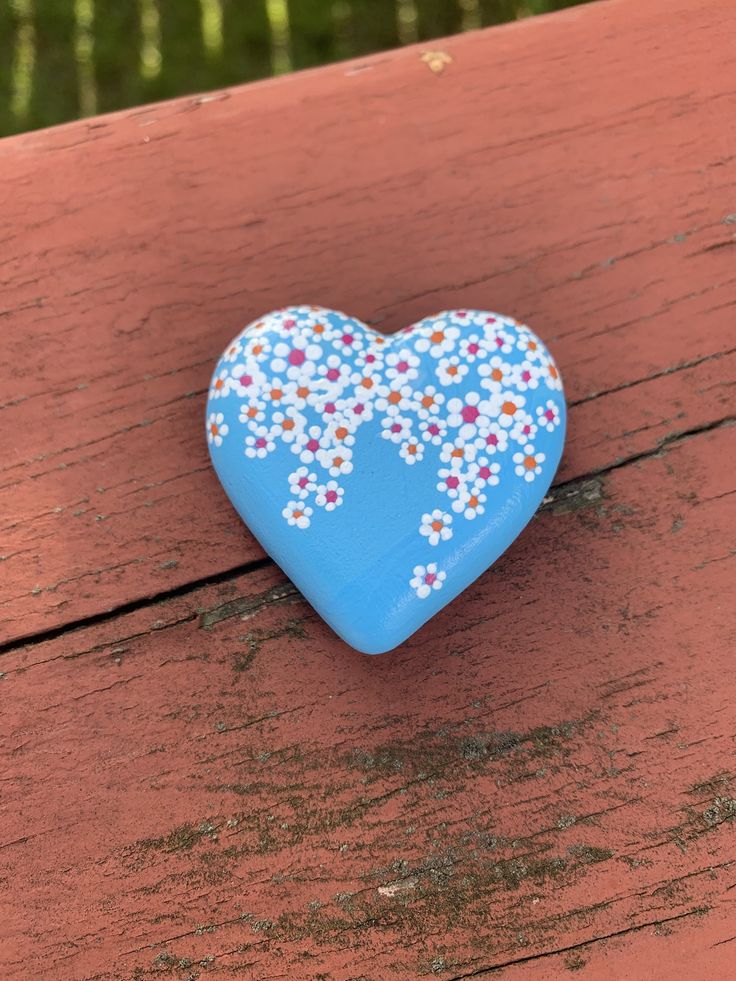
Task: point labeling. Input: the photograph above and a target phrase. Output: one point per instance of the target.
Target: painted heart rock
(385, 473)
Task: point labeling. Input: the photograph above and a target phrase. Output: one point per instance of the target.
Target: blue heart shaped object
(385, 473)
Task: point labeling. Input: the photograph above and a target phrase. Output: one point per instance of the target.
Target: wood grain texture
(558, 170)
(198, 778)
(217, 782)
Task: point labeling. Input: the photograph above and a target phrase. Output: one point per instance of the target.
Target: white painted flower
(233, 352)
(297, 514)
(402, 366)
(529, 345)
(451, 482)
(501, 339)
(469, 414)
(286, 426)
(457, 453)
(302, 482)
(524, 428)
(471, 347)
(296, 358)
(252, 412)
(509, 403)
(216, 428)
(492, 438)
(482, 472)
(529, 463)
(435, 526)
(247, 380)
(220, 385)
(548, 416)
(451, 371)
(412, 451)
(341, 431)
(433, 430)
(395, 399)
(259, 443)
(396, 428)
(470, 503)
(308, 443)
(336, 460)
(428, 402)
(256, 349)
(552, 376)
(525, 376)
(329, 495)
(495, 374)
(437, 337)
(426, 578)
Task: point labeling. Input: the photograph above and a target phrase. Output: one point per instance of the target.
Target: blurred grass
(61, 59)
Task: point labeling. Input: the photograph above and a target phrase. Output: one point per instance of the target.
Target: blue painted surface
(438, 442)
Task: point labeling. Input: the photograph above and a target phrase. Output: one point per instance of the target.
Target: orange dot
(508, 408)
(437, 337)
(411, 448)
(529, 462)
(287, 424)
(437, 526)
(219, 383)
(394, 398)
(252, 412)
(428, 401)
(452, 370)
(319, 328)
(497, 374)
(458, 452)
(532, 345)
(276, 394)
(257, 348)
(553, 371)
(302, 392)
(213, 429)
(298, 514)
(341, 432)
(367, 383)
(473, 501)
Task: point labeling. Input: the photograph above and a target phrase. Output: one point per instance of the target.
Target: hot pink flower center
(549, 414)
(289, 323)
(396, 428)
(297, 357)
(473, 349)
(469, 413)
(358, 408)
(303, 481)
(260, 442)
(430, 578)
(491, 439)
(402, 366)
(433, 429)
(484, 473)
(330, 407)
(452, 482)
(333, 374)
(313, 445)
(526, 375)
(331, 496)
(347, 338)
(246, 380)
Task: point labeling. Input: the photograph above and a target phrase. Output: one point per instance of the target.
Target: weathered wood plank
(524, 178)
(217, 782)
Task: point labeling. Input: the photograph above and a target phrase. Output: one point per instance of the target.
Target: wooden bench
(198, 778)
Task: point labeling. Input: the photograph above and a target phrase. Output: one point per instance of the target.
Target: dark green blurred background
(60, 59)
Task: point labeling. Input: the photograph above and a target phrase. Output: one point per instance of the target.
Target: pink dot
(490, 320)
(402, 366)
(347, 338)
(484, 473)
(469, 413)
(358, 410)
(370, 358)
(330, 407)
(333, 374)
(499, 342)
(331, 496)
(246, 380)
(430, 578)
(289, 323)
(396, 428)
(473, 349)
(260, 442)
(527, 430)
(303, 481)
(461, 313)
(549, 414)
(452, 482)
(297, 357)
(526, 375)
(313, 445)
(491, 439)
(433, 429)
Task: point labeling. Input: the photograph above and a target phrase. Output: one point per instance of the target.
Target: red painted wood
(573, 170)
(216, 781)
(542, 782)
